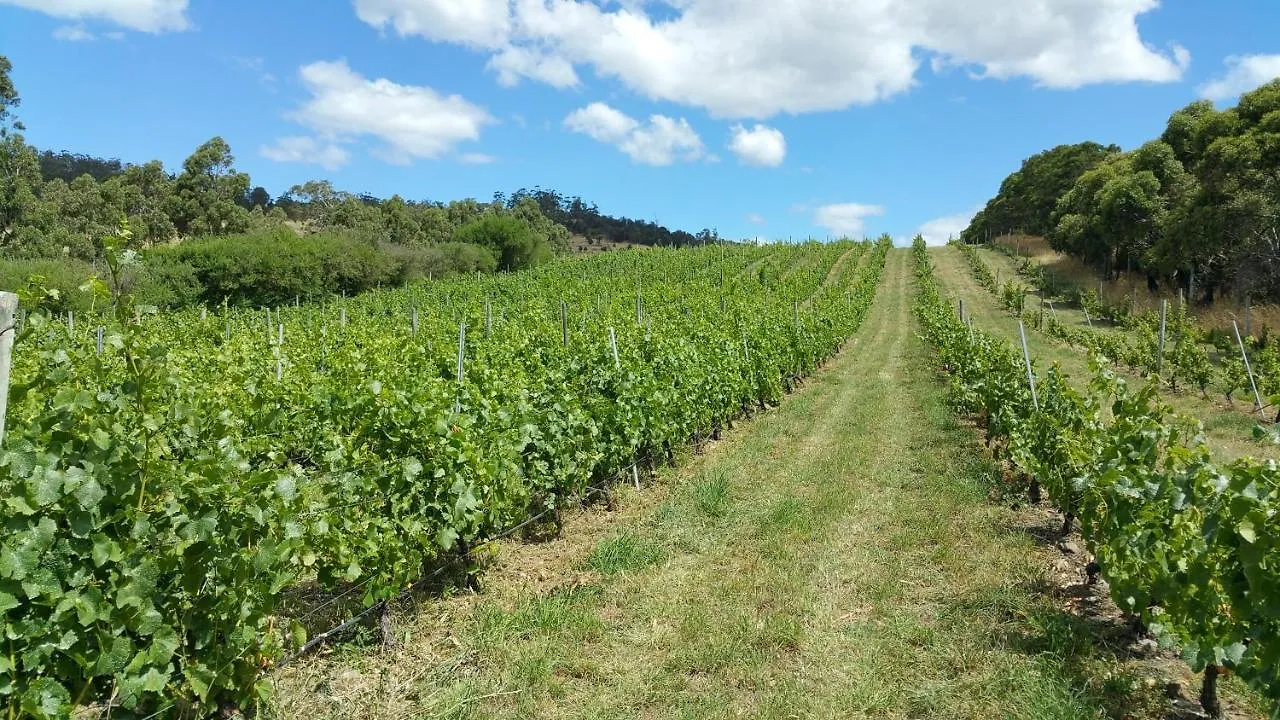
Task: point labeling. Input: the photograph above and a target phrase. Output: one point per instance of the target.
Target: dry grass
(1131, 287)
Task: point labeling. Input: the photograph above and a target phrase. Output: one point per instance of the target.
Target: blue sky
(775, 120)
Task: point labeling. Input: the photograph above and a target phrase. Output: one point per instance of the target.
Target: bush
(64, 275)
(514, 242)
(437, 261)
(273, 267)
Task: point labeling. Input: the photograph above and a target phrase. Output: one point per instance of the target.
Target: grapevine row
(172, 498)
(1189, 546)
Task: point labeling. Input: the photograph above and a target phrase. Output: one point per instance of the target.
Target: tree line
(205, 233)
(1196, 208)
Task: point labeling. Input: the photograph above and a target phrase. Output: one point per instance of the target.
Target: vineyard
(199, 501)
(182, 487)
(1187, 545)
(1190, 357)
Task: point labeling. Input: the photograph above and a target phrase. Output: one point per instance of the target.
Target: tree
(19, 166)
(1028, 196)
(512, 241)
(8, 97)
(258, 197)
(206, 193)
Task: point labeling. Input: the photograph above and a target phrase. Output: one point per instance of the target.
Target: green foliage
(511, 240)
(164, 495)
(275, 267)
(61, 278)
(1187, 546)
(1199, 201)
(1028, 196)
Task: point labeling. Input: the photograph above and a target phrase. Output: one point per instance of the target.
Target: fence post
(1026, 357)
(8, 308)
(462, 344)
(1257, 399)
(1164, 306)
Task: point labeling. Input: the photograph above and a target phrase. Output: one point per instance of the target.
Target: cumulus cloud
(484, 24)
(1244, 73)
(760, 146)
(153, 16)
(305, 150)
(740, 58)
(412, 122)
(515, 63)
(72, 33)
(660, 141)
(845, 218)
(938, 230)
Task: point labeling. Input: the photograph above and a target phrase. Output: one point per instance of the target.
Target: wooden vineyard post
(8, 309)
(1026, 357)
(71, 322)
(613, 344)
(1257, 399)
(462, 345)
(342, 316)
(98, 344)
(413, 321)
(961, 309)
(635, 475)
(488, 318)
(1164, 306)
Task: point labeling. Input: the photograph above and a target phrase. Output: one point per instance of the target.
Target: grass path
(1229, 432)
(835, 557)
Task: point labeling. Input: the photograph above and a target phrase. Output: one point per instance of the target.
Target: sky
(773, 120)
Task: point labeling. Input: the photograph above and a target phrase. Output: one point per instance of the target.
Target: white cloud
(938, 230)
(305, 150)
(482, 24)
(740, 58)
(660, 141)
(476, 159)
(845, 218)
(153, 16)
(755, 218)
(413, 122)
(1244, 73)
(514, 63)
(760, 146)
(72, 33)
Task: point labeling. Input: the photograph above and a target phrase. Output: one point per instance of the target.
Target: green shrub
(276, 266)
(64, 275)
(514, 242)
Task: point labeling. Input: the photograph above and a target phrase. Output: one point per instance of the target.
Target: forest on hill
(1198, 207)
(206, 234)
